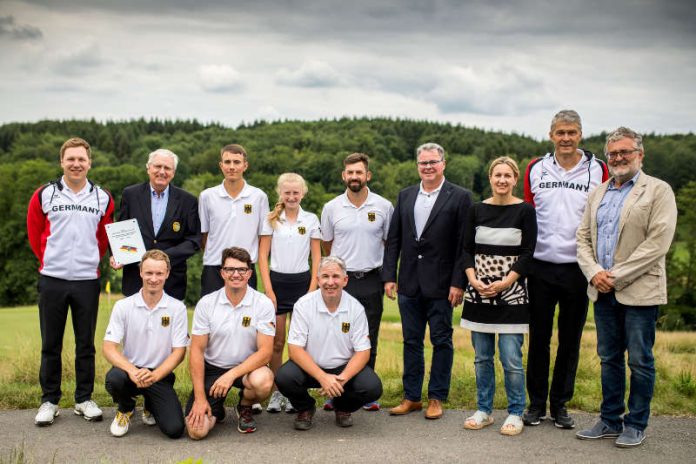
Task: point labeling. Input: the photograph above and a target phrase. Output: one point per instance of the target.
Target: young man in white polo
(329, 348)
(231, 345)
(232, 215)
(354, 227)
(152, 328)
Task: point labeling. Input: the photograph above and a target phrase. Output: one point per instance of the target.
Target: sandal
(478, 421)
(513, 425)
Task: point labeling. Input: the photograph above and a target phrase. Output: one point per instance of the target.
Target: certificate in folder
(126, 241)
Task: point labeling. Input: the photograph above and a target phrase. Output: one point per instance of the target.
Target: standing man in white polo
(231, 343)
(329, 349)
(152, 328)
(232, 215)
(354, 227)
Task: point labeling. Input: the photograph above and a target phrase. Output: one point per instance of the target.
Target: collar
(140, 302)
(437, 190)
(345, 202)
(246, 301)
(245, 192)
(153, 192)
(631, 182)
(301, 216)
(65, 186)
(342, 305)
(585, 158)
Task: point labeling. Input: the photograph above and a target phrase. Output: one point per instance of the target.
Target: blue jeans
(416, 312)
(510, 347)
(621, 328)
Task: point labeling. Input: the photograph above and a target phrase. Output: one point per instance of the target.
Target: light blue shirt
(158, 204)
(608, 218)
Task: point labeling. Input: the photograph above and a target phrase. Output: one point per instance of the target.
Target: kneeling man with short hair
(329, 348)
(153, 329)
(232, 341)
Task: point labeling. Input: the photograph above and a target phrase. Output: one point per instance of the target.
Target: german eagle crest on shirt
(371, 216)
(345, 327)
(246, 321)
(165, 321)
(247, 208)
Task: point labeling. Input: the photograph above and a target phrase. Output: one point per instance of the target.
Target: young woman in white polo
(290, 235)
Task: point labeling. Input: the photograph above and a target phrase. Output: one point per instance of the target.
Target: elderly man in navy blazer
(168, 220)
(425, 232)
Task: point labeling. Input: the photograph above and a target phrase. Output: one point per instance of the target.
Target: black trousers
(294, 383)
(160, 397)
(551, 284)
(217, 405)
(211, 280)
(55, 297)
(368, 289)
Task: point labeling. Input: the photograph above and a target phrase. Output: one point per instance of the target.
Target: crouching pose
(231, 343)
(329, 348)
(152, 328)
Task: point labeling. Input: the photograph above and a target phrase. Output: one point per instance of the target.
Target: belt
(362, 274)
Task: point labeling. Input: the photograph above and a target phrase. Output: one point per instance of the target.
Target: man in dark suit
(425, 232)
(168, 220)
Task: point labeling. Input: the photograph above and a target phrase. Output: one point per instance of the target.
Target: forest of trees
(29, 158)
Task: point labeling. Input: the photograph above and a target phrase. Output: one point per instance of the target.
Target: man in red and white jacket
(65, 225)
(558, 185)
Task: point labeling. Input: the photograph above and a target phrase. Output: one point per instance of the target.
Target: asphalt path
(375, 437)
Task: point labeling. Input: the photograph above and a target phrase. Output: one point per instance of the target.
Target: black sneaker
(343, 419)
(245, 419)
(303, 420)
(562, 420)
(533, 416)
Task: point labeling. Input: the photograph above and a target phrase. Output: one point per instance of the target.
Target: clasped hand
(331, 385)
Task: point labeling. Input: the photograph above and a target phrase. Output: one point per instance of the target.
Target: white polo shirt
(231, 221)
(358, 234)
(331, 339)
(231, 329)
(290, 243)
(148, 335)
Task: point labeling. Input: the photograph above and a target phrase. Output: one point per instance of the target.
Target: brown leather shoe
(405, 407)
(434, 410)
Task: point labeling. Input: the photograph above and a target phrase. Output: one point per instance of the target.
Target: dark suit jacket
(431, 265)
(179, 236)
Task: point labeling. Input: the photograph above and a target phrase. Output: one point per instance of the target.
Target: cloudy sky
(480, 63)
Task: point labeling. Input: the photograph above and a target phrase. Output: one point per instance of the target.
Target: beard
(355, 186)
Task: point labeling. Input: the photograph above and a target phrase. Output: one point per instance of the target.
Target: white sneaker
(148, 418)
(119, 427)
(256, 408)
(275, 403)
(47, 412)
(89, 410)
(289, 408)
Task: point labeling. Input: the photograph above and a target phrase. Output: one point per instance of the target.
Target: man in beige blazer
(623, 238)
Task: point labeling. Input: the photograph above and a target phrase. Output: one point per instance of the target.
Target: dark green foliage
(29, 157)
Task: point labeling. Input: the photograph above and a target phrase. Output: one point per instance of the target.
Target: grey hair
(162, 152)
(430, 146)
(624, 133)
(567, 117)
(328, 260)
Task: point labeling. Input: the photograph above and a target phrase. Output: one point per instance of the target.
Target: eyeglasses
(235, 270)
(427, 164)
(611, 155)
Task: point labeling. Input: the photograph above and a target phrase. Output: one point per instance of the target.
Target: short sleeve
(267, 228)
(314, 228)
(180, 336)
(326, 226)
(264, 210)
(265, 322)
(360, 335)
(116, 328)
(201, 317)
(203, 212)
(299, 325)
(390, 212)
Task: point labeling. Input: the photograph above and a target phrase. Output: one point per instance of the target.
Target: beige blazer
(646, 229)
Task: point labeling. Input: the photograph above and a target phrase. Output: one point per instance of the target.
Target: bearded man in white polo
(152, 328)
(329, 347)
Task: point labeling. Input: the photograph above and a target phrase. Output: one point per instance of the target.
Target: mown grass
(675, 391)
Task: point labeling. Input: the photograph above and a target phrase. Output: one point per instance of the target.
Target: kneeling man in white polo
(152, 327)
(231, 343)
(329, 346)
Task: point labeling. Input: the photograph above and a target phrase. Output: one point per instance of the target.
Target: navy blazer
(429, 266)
(179, 235)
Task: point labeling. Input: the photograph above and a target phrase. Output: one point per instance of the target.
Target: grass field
(675, 391)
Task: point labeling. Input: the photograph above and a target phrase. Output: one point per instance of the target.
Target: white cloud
(219, 78)
(312, 73)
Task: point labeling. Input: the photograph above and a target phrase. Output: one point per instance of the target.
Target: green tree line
(29, 158)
